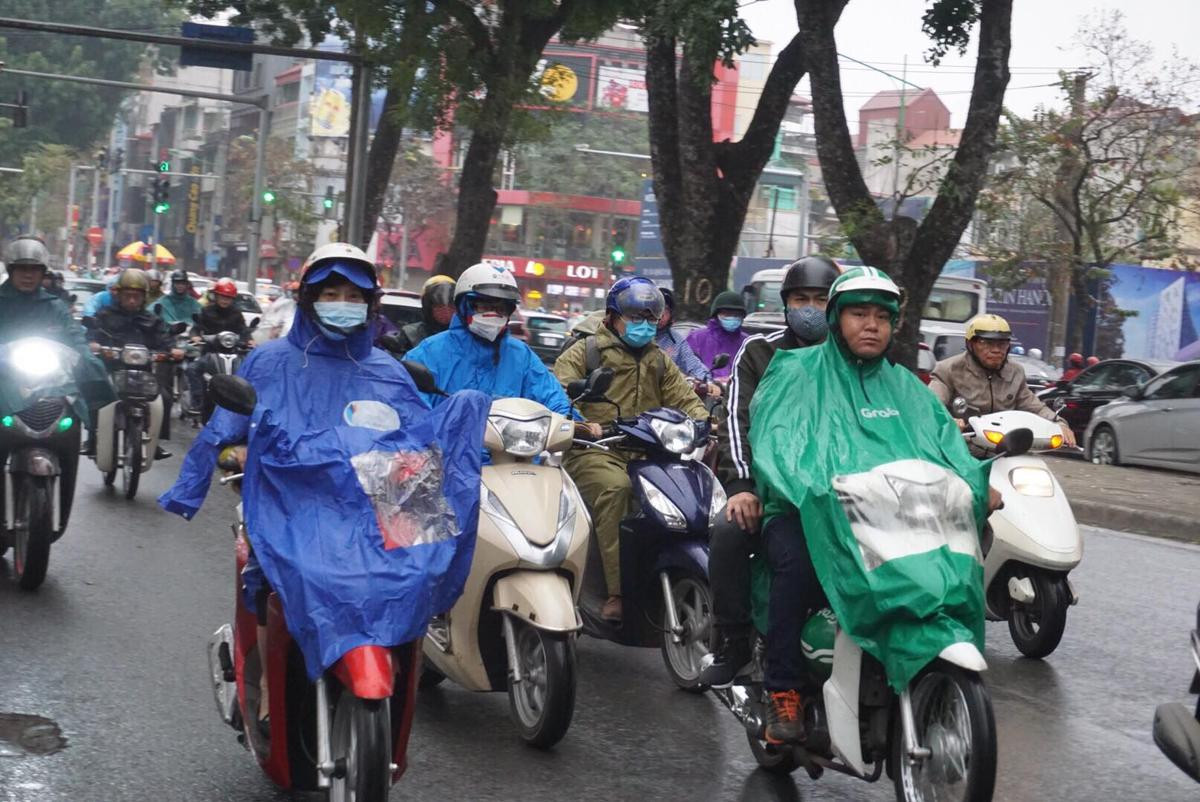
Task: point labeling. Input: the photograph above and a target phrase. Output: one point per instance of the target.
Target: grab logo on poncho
(888, 412)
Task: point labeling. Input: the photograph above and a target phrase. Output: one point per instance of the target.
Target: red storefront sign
(552, 270)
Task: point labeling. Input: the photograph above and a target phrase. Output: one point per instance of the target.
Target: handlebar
(233, 477)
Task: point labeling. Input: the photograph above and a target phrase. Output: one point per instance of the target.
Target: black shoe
(730, 661)
(162, 453)
(89, 450)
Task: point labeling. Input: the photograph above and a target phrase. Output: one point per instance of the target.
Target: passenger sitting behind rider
(643, 379)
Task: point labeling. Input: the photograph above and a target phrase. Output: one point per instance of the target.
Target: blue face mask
(730, 324)
(639, 333)
(808, 324)
(343, 315)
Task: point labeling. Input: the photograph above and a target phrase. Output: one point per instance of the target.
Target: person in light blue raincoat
(349, 476)
(477, 353)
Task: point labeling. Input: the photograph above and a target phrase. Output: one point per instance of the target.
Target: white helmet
(341, 258)
(489, 281)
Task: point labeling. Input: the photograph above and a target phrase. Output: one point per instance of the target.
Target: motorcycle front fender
(1177, 733)
(35, 462)
(367, 672)
(687, 556)
(542, 599)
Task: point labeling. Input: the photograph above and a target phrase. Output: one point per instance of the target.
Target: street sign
(200, 56)
(95, 235)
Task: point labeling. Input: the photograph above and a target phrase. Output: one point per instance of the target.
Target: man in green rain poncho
(873, 505)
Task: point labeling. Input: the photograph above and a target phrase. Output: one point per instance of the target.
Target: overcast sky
(884, 32)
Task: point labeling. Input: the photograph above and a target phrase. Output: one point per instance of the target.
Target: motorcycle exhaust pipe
(324, 762)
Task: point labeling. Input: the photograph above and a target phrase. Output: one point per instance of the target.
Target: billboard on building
(1159, 312)
(329, 105)
(621, 89)
(567, 80)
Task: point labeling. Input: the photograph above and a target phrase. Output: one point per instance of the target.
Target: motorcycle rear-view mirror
(254, 322)
(422, 377)
(88, 321)
(592, 388)
(720, 361)
(178, 328)
(391, 342)
(1133, 392)
(233, 393)
(1016, 443)
(959, 407)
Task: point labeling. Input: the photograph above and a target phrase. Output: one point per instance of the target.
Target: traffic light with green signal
(164, 166)
(329, 202)
(616, 257)
(268, 196)
(162, 195)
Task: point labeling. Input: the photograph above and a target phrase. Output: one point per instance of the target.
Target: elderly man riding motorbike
(984, 376)
(644, 378)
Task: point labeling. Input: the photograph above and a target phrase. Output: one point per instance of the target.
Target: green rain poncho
(890, 498)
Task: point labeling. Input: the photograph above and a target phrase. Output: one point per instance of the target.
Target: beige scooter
(514, 627)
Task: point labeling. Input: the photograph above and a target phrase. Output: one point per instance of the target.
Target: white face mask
(488, 325)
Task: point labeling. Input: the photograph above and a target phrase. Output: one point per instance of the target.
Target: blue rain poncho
(360, 503)
(507, 368)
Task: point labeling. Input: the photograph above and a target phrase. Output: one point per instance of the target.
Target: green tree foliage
(553, 164)
(71, 115)
(291, 180)
(445, 63)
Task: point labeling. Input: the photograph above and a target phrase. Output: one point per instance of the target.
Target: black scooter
(1177, 727)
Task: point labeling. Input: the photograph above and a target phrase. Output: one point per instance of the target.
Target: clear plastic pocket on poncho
(405, 488)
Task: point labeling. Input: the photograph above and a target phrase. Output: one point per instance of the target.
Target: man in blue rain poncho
(360, 503)
(871, 501)
(477, 352)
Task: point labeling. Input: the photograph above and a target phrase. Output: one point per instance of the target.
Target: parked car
(1156, 424)
(1076, 399)
(545, 334)
(1039, 375)
(400, 306)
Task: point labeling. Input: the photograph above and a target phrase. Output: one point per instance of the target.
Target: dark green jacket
(40, 314)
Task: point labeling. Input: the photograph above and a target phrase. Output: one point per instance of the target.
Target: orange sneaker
(785, 719)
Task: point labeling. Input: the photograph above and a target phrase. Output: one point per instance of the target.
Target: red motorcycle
(348, 731)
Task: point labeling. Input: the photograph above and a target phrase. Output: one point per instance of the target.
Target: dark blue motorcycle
(664, 543)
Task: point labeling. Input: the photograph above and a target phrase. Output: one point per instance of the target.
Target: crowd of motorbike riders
(464, 342)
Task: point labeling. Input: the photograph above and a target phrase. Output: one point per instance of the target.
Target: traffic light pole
(154, 244)
(254, 240)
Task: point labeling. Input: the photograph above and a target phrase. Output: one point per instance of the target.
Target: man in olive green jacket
(643, 378)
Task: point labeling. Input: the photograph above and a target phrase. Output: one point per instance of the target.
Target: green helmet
(863, 285)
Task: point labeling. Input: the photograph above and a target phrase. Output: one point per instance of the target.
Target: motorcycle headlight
(135, 355)
(34, 359)
(718, 503)
(523, 438)
(1031, 481)
(678, 438)
(671, 514)
(227, 340)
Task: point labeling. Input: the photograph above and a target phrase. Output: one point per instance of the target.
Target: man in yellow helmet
(986, 379)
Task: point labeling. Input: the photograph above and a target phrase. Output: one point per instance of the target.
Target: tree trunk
(913, 254)
(476, 196)
(703, 188)
(382, 156)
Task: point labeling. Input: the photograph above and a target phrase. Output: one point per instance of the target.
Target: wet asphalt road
(112, 648)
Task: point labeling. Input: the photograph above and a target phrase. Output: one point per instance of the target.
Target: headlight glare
(1031, 481)
(523, 438)
(678, 438)
(35, 359)
(227, 340)
(672, 515)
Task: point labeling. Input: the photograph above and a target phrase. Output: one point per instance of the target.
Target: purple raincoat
(712, 340)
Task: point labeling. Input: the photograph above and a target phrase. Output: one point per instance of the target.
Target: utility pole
(771, 230)
(899, 140)
(94, 217)
(1063, 271)
(67, 228)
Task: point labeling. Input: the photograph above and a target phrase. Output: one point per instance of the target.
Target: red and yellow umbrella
(140, 252)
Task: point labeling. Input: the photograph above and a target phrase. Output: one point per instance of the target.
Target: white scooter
(515, 625)
(1034, 542)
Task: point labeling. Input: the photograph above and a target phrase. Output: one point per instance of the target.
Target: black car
(543, 332)
(1076, 399)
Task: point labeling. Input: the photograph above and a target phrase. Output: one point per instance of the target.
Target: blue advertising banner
(649, 240)
(1165, 307)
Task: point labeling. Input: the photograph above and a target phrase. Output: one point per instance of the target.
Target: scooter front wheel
(1037, 626)
(693, 609)
(361, 748)
(543, 702)
(131, 463)
(34, 522)
(953, 720)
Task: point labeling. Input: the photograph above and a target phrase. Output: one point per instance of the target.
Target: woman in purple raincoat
(723, 334)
